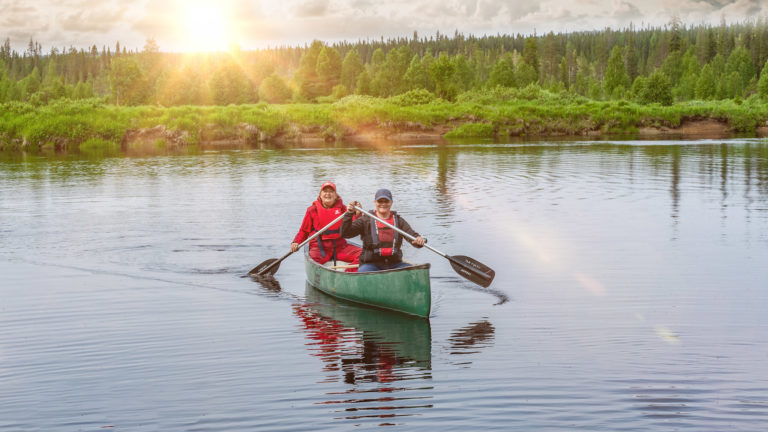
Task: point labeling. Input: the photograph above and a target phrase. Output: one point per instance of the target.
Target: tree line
(674, 62)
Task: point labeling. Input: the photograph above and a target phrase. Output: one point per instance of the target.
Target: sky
(207, 25)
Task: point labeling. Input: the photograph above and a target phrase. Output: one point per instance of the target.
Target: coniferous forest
(652, 66)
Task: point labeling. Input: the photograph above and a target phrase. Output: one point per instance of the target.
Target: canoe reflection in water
(371, 350)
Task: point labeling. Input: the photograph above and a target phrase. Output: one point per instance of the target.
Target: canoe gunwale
(378, 272)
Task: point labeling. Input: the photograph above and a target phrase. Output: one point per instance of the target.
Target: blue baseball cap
(383, 193)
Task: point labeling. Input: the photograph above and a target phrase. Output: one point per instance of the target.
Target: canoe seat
(340, 266)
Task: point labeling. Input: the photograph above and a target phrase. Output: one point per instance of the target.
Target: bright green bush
(498, 111)
(413, 97)
(472, 130)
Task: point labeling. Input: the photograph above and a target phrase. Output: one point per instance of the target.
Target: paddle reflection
(471, 338)
(371, 350)
(270, 287)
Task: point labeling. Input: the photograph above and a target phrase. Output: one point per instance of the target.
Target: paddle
(270, 266)
(465, 266)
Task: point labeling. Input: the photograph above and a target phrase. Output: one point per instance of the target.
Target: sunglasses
(383, 201)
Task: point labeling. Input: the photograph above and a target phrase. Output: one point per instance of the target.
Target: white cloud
(488, 9)
(92, 20)
(693, 12)
(257, 23)
(625, 11)
(311, 8)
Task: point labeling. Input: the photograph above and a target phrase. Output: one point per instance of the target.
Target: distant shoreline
(93, 124)
(688, 130)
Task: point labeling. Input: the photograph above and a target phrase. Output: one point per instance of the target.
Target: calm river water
(631, 291)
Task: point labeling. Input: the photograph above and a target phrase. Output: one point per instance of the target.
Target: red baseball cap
(328, 184)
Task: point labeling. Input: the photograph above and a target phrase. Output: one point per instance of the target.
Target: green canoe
(404, 290)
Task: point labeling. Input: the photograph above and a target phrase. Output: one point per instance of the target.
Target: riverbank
(417, 115)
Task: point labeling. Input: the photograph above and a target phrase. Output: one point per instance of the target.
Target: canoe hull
(404, 290)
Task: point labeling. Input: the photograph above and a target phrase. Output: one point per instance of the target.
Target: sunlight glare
(667, 335)
(206, 27)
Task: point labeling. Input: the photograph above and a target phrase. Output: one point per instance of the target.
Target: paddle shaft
(310, 238)
(467, 267)
(345, 266)
(408, 236)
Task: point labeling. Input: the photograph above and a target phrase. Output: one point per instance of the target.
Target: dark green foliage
(306, 76)
(503, 73)
(673, 66)
(442, 72)
(762, 84)
(686, 85)
(274, 90)
(416, 77)
(339, 91)
(388, 78)
(328, 68)
(740, 63)
(230, 85)
(413, 97)
(706, 86)
(463, 73)
(526, 74)
(616, 77)
(531, 54)
(262, 70)
(185, 87)
(654, 89)
(587, 63)
(363, 85)
(351, 68)
(128, 84)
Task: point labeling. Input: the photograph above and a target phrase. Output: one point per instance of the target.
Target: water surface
(630, 290)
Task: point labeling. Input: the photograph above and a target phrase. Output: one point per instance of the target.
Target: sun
(207, 28)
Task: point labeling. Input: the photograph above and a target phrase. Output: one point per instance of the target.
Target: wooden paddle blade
(472, 270)
(264, 268)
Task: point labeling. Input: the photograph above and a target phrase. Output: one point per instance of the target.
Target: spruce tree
(416, 76)
(351, 68)
(443, 72)
(762, 84)
(616, 77)
(306, 77)
(363, 86)
(740, 63)
(531, 55)
(706, 86)
(328, 69)
(503, 73)
(274, 90)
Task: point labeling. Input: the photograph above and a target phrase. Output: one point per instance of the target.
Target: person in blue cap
(381, 244)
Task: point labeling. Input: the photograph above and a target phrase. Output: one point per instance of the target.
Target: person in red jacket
(331, 246)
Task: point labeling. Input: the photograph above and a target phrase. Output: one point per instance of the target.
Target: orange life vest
(381, 246)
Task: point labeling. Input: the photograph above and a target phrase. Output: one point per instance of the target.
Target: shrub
(339, 91)
(274, 90)
(413, 97)
(654, 89)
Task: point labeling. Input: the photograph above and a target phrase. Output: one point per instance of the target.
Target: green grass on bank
(498, 112)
